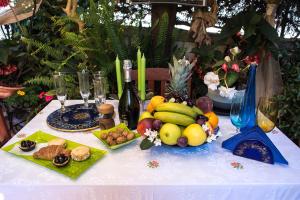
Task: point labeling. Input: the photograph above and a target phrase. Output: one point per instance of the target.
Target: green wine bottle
(129, 105)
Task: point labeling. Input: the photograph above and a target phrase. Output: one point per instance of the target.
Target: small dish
(61, 160)
(27, 145)
(99, 133)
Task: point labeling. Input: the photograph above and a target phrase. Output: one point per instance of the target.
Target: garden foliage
(289, 101)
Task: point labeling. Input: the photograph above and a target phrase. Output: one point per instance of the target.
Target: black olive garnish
(61, 160)
(27, 145)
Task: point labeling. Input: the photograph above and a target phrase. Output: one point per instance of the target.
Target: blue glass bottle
(249, 101)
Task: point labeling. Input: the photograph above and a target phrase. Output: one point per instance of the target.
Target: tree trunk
(157, 11)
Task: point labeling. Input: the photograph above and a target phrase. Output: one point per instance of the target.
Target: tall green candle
(139, 57)
(143, 78)
(119, 78)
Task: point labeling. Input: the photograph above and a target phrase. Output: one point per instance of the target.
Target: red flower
(4, 3)
(235, 67)
(48, 98)
(252, 59)
(8, 69)
(41, 95)
(225, 67)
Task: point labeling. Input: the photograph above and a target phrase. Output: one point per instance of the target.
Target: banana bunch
(176, 113)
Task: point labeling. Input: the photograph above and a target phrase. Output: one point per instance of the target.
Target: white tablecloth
(205, 172)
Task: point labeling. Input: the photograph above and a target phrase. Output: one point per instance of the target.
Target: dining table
(161, 173)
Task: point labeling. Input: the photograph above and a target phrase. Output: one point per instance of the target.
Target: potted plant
(227, 76)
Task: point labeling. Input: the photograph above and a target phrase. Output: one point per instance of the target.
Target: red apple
(205, 104)
(144, 124)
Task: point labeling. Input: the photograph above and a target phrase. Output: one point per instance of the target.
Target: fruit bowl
(178, 124)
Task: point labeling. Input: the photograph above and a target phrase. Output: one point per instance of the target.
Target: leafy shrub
(289, 101)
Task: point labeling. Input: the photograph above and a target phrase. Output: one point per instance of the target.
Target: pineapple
(180, 74)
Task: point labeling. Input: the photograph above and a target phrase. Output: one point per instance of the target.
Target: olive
(27, 145)
(61, 160)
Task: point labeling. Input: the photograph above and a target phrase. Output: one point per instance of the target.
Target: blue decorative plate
(75, 118)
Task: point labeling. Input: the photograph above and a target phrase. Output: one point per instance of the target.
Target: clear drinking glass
(99, 91)
(60, 88)
(266, 114)
(237, 116)
(98, 74)
(84, 86)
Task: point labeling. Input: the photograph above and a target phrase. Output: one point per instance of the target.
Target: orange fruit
(157, 100)
(150, 108)
(212, 119)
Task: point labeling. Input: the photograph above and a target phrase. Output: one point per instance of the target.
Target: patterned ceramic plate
(75, 118)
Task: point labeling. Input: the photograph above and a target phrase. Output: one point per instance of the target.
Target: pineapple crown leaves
(180, 73)
(181, 69)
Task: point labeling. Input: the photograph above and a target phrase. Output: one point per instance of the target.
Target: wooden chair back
(161, 75)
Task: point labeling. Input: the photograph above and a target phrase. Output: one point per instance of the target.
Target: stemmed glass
(98, 75)
(84, 86)
(60, 88)
(99, 91)
(266, 114)
(238, 116)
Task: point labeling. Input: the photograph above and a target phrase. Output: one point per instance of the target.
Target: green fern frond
(161, 39)
(61, 21)
(54, 65)
(48, 50)
(112, 32)
(40, 80)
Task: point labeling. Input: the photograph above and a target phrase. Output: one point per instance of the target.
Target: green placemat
(74, 169)
(123, 126)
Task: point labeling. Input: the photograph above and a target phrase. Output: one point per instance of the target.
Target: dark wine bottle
(129, 105)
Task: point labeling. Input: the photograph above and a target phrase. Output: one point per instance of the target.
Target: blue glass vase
(249, 98)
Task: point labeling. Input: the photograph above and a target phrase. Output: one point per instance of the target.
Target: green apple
(169, 133)
(145, 115)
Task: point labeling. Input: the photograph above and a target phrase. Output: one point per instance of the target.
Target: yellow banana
(174, 118)
(176, 108)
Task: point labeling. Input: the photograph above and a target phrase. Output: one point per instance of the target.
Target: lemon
(195, 135)
(145, 115)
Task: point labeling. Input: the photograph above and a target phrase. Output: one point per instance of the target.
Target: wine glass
(98, 74)
(238, 116)
(84, 86)
(99, 91)
(101, 76)
(60, 88)
(266, 114)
